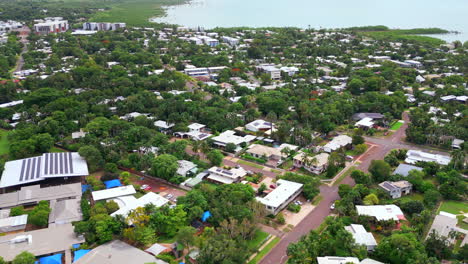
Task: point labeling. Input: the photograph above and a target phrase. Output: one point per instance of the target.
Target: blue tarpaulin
(79, 253)
(76, 245)
(54, 259)
(205, 216)
(85, 187)
(113, 183)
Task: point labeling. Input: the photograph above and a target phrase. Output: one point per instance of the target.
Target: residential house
(196, 132)
(381, 212)
(361, 236)
(413, 156)
(118, 252)
(259, 125)
(230, 136)
(365, 123)
(186, 168)
(131, 203)
(261, 151)
(315, 164)
(444, 225)
(457, 143)
(337, 260)
(223, 176)
(284, 193)
(163, 126)
(341, 141)
(404, 169)
(396, 189)
(373, 116)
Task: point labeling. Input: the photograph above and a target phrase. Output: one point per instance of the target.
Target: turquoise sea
(448, 14)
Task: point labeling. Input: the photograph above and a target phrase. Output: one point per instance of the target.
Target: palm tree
(196, 146)
(458, 159)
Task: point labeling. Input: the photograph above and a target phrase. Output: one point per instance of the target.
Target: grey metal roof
(404, 169)
(118, 252)
(49, 165)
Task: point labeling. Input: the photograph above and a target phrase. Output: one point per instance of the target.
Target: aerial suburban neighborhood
(159, 143)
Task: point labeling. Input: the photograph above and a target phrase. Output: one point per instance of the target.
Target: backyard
(458, 208)
(395, 126)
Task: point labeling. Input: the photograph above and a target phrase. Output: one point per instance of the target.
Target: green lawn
(257, 241)
(56, 150)
(413, 196)
(454, 207)
(4, 144)
(265, 251)
(396, 125)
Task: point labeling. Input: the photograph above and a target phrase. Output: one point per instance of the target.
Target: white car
(332, 207)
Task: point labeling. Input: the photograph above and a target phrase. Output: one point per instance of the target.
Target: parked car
(272, 186)
(146, 187)
(332, 207)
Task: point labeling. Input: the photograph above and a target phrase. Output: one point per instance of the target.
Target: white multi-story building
(102, 26)
(7, 26)
(275, 73)
(50, 25)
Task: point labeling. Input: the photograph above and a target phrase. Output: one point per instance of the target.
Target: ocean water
(447, 14)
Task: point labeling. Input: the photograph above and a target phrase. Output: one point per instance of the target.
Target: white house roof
(49, 165)
(365, 122)
(361, 236)
(113, 192)
(381, 212)
(230, 136)
(196, 126)
(11, 104)
(163, 124)
(14, 221)
(338, 142)
(259, 125)
(226, 176)
(413, 156)
(149, 198)
(337, 260)
(284, 190)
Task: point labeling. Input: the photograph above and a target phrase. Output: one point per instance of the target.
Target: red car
(146, 187)
(272, 186)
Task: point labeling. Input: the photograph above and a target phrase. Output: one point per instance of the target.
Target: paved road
(379, 147)
(23, 34)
